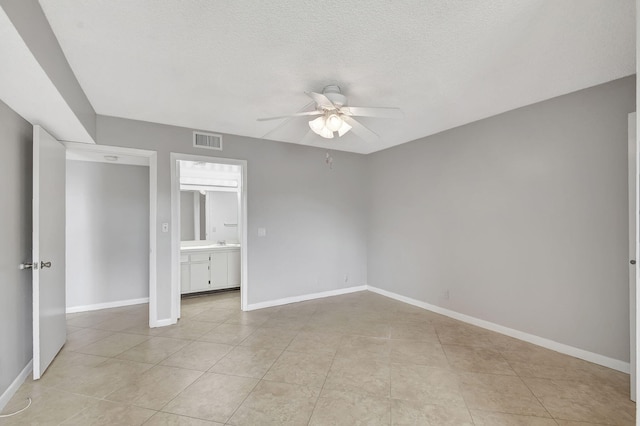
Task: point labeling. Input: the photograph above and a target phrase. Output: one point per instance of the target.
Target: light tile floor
(354, 359)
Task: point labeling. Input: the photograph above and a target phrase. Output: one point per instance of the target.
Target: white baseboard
(15, 385)
(531, 338)
(162, 323)
(98, 306)
(294, 299)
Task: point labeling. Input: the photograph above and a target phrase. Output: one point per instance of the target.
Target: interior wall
(107, 233)
(224, 212)
(187, 230)
(203, 213)
(16, 137)
(314, 215)
(521, 218)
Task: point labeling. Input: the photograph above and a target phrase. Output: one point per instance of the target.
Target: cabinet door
(199, 276)
(233, 268)
(219, 269)
(185, 277)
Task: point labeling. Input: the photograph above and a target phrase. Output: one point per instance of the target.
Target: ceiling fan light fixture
(319, 127)
(317, 124)
(344, 128)
(326, 133)
(334, 122)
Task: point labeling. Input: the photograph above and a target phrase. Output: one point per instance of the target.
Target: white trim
(107, 305)
(531, 338)
(97, 157)
(243, 231)
(77, 147)
(15, 385)
(175, 238)
(175, 225)
(35, 252)
(304, 297)
(153, 240)
(634, 225)
(164, 322)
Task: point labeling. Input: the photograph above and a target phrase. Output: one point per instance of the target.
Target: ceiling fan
(334, 116)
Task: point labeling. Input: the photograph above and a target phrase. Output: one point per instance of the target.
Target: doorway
(100, 167)
(209, 222)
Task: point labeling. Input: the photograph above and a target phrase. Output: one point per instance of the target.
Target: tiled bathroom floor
(354, 359)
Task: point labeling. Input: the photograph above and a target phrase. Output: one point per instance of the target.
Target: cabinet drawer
(199, 257)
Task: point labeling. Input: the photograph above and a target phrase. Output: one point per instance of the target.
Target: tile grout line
(464, 399)
(208, 372)
(527, 386)
(323, 384)
(260, 379)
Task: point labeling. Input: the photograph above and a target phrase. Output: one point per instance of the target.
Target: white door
(634, 210)
(49, 324)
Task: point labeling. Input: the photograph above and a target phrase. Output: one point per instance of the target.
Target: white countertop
(206, 245)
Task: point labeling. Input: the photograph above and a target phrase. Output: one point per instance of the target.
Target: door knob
(632, 261)
(45, 265)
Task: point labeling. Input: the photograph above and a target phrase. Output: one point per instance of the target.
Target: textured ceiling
(219, 65)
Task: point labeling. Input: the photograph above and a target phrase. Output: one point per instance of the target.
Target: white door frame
(634, 251)
(152, 159)
(175, 228)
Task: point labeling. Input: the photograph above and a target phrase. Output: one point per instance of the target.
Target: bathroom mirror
(209, 215)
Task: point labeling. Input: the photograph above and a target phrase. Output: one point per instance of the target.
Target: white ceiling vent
(207, 140)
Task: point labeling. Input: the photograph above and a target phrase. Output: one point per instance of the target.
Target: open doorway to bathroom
(209, 279)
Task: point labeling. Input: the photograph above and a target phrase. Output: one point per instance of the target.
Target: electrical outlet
(346, 278)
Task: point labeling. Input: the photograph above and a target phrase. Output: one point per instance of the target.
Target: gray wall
(224, 210)
(187, 232)
(522, 217)
(16, 138)
(107, 233)
(314, 215)
(32, 25)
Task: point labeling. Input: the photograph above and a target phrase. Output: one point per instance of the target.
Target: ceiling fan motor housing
(335, 95)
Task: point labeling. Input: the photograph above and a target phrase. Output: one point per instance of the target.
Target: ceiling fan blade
(321, 100)
(297, 114)
(286, 121)
(372, 112)
(361, 131)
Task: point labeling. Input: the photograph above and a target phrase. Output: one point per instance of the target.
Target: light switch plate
(165, 227)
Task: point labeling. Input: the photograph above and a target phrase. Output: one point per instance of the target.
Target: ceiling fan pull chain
(329, 160)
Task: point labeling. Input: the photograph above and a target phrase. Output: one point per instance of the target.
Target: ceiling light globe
(317, 125)
(334, 122)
